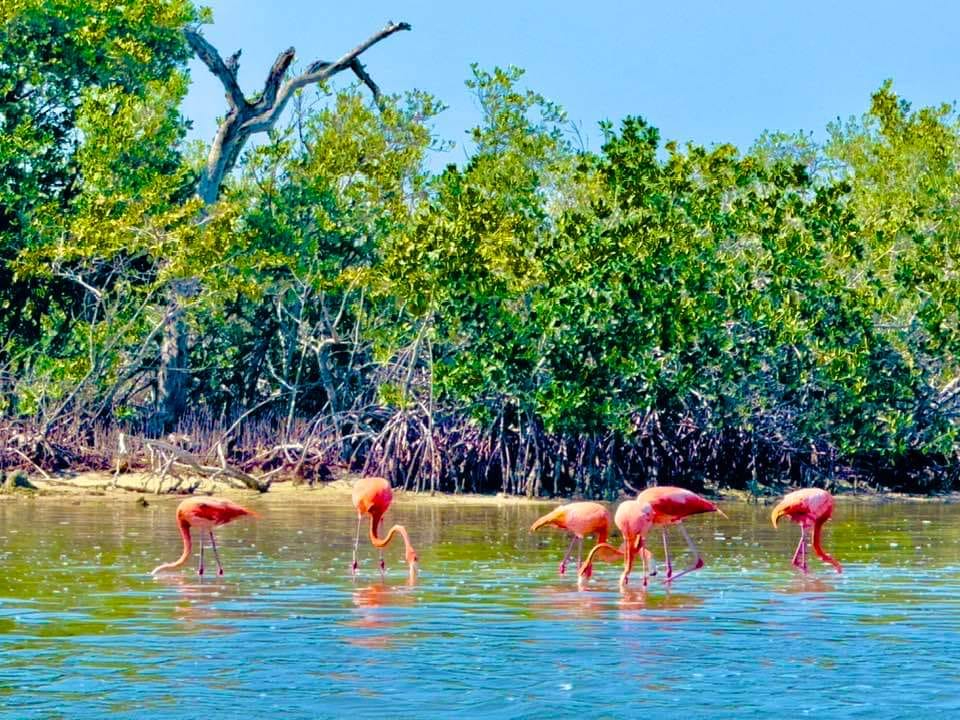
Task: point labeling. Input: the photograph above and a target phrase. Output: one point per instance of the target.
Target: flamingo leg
(356, 545)
(579, 554)
(200, 567)
(697, 557)
(666, 553)
(566, 555)
(628, 566)
(213, 543)
(643, 559)
(803, 553)
(383, 566)
(799, 550)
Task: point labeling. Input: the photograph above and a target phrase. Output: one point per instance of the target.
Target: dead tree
(243, 119)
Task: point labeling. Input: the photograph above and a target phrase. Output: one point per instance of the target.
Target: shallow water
(489, 628)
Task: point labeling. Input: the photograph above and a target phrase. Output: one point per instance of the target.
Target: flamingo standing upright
(372, 496)
(808, 507)
(204, 513)
(663, 506)
(579, 519)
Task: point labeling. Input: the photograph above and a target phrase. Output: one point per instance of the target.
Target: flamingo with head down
(204, 513)
(579, 519)
(808, 508)
(372, 496)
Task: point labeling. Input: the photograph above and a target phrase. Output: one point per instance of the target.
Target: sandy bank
(127, 485)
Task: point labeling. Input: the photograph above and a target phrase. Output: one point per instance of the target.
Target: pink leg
(566, 556)
(643, 561)
(200, 566)
(216, 554)
(356, 546)
(666, 554)
(697, 557)
(796, 553)
(803, 555)
(800, 556)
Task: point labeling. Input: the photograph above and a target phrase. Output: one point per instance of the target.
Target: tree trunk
(174, 367)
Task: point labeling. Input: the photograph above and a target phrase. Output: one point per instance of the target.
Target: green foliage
(55, 57)
(652, 310)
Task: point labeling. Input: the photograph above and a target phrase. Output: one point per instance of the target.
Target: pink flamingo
(372, 496)
(204, 513)
(807, 507)
(579, 519)
(670, 506)
(655, 506)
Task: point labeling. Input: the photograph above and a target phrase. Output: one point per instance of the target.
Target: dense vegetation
(540, 320)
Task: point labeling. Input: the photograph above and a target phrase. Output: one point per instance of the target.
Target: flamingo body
(372, 496)
(672, 504)
(579, 519)
(809, 508)
(203, 513)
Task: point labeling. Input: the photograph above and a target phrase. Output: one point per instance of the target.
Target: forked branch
(248, 117)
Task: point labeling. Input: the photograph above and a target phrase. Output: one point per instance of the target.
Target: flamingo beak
(778, 512)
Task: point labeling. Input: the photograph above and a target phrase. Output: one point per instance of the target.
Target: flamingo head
(411, 556)
(778, 512)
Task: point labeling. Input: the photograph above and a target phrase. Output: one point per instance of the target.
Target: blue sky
(709, 72)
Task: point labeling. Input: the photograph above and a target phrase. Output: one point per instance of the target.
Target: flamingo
(204, 513)
(633, 519)
(670, 506)
(580, 519)
(807, 507)
(663, 506)
(372, 496)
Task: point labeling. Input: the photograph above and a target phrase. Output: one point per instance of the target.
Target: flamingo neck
(379, 542)
(818, 549)
(187, 547)
(606, 551)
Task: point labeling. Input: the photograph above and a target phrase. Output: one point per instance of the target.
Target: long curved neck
(187, 547)
(385, 540)
(818, 549)
(606, 551)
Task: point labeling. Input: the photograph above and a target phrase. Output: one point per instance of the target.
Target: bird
(664, 505)
(670, 506)
(633, 519)
(807, 507)
(204, 513)
(580, 519)
(372, 496)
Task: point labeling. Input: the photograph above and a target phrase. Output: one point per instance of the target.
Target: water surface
(489, 628)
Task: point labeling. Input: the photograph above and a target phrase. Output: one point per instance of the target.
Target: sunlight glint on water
(489, 627)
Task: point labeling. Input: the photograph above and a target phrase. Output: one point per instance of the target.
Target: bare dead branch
(246, 118)
(211, 58)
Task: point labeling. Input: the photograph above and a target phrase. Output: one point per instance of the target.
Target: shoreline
(100, 485)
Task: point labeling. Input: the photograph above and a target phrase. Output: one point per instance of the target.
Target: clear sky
(707, 71)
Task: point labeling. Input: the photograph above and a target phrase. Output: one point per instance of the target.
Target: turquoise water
(489, 628)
